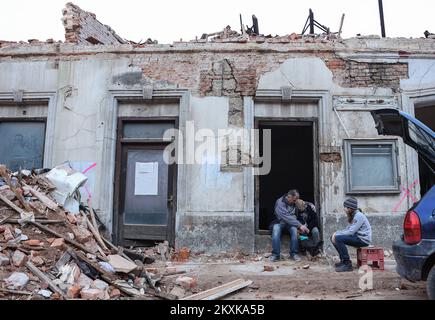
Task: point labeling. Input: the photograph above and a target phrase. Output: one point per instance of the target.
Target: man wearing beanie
(357, 234)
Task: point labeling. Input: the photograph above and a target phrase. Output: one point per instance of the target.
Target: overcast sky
(172, 20)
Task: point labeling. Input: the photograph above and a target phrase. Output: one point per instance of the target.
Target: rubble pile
(49, 252)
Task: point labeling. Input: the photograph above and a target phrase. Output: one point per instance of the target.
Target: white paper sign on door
(146, 180)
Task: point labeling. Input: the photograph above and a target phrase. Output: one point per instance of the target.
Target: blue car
(415, 251)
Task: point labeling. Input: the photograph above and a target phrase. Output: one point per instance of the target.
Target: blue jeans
(342, 241)
(276, 238)
(313, 239)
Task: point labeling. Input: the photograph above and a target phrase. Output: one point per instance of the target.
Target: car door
(414, 133)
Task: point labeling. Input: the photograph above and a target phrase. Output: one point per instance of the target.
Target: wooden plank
(229, 290)
(16, 292)
(219, 291)
(42, 197)
(93, 264)
(19, 196)
(94, 232)
(44, 278)
(2, 221)
(43, 221)
(12, 205)
(92, 213)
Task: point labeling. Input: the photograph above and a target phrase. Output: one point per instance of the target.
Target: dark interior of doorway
(425, 114)
(292, 165)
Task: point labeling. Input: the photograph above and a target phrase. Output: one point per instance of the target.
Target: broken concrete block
(81, 234)
(178, 292)
(91, 245)
(19, 258)
(45, 293)
(92, 294)
(17, 280)
(37, 261)
(7, 234)
(4, 260)
(84, 281)
(58, 243)
(186, 282)
(99, 284)
(120, 264)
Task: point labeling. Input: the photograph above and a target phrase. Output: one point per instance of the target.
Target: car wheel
(430, 284)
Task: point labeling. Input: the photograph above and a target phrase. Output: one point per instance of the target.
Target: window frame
(31, 119)
(347, 146)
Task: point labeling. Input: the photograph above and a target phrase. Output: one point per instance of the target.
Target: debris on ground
(51, 246)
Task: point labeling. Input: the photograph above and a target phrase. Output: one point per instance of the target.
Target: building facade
(105, 106)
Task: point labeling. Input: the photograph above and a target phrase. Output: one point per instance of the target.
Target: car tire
(430, 284)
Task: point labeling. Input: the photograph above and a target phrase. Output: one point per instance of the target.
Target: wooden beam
(220, 291)
(19, 196)
(12, 205)
(43, 221)
(42, 197)
(16, 292)
(44, 278)
(94, 232)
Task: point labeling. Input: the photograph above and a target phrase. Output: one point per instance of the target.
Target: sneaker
(273, 258)
(345, 267)
(338, 264)
(295, 257)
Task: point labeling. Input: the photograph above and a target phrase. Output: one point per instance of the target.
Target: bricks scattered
(92, 294)
(187, 283)
(58, 243)
(268, 268)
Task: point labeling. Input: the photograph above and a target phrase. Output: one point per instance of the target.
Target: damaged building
(104, 103)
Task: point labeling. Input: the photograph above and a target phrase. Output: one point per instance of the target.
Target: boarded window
(371, 166)
(22, 144)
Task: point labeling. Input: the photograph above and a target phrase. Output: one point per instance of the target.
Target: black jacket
(311, 220)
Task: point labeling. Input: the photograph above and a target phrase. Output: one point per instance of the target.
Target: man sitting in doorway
(306, 214)
(286, 219)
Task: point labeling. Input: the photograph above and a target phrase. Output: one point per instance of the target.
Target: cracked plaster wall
(218, 83)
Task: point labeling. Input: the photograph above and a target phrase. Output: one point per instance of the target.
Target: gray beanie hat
(351, 203)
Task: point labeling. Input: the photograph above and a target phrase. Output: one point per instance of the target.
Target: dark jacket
(311, 219)
(285, 212)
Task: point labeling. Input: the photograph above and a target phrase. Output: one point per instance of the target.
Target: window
(371, 166)
(22, 144)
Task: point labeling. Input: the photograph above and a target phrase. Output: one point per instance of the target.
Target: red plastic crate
(371, 255)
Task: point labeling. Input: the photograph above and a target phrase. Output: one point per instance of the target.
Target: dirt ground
(289, 280)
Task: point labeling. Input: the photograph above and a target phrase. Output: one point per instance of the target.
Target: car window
(421, 138)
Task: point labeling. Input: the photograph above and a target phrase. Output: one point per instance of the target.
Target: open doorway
(294, 166)
(426, 114)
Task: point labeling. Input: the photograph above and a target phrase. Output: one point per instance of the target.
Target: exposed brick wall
(82, 27)
(355, 74)
(362, 74)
